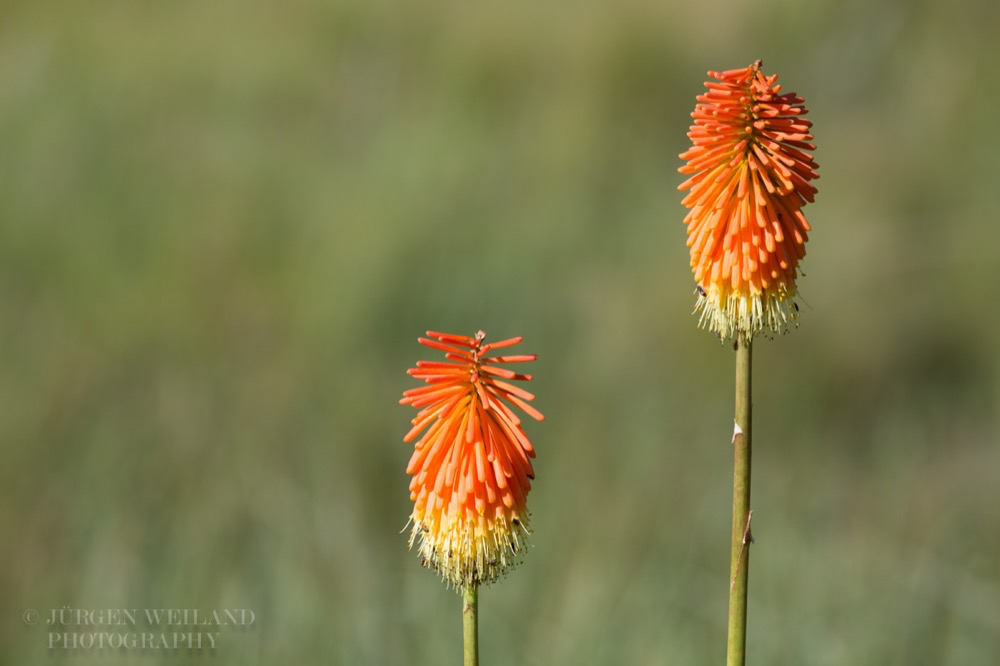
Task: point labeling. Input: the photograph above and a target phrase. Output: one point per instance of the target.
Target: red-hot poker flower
(750, 179)
(472, 467)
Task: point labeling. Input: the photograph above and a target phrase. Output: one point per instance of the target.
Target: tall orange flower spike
(750, 180)
(472, 467)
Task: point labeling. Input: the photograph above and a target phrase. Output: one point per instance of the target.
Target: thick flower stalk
(472, 467)
(750, 173)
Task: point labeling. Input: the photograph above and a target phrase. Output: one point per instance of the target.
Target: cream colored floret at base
(741, 316)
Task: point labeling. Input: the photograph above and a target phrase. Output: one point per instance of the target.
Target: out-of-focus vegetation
(224, 224)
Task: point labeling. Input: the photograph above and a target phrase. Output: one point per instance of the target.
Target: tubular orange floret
(509, 342)
(463, 340)
(440, 345)
(517, 358)
(749, 178)
(471, 469)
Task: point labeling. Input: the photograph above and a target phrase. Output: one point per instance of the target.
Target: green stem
(470, 623)
(741, 537)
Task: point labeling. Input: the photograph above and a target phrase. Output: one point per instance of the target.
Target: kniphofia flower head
(471, 468)
(750, 179)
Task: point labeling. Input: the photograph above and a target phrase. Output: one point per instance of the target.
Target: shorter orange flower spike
(471, 468)
(750, 180)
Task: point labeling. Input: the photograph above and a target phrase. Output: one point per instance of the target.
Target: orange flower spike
(471, 469)
(749, 179)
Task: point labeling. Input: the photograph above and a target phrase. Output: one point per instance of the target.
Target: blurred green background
(223, 226)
